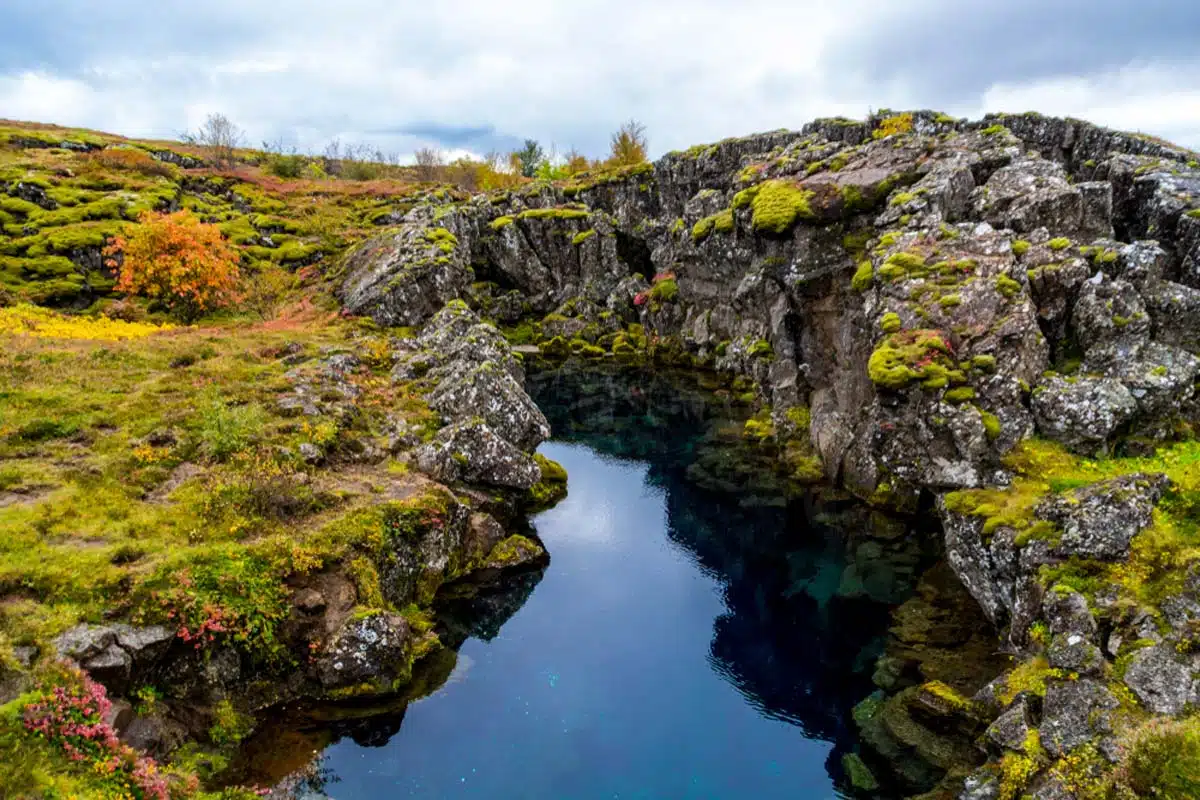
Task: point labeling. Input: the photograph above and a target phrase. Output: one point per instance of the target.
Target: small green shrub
(222, 430)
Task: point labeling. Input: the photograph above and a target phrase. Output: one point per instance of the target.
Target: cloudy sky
(478, 74)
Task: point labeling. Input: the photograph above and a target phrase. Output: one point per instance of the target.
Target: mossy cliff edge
(211, 522)
(994, 321)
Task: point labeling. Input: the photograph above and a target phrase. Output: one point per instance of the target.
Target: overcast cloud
(474, 75)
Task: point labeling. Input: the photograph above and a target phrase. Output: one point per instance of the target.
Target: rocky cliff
(993, 319)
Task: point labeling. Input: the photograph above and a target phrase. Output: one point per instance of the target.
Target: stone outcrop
(478, 387)
(974, 254)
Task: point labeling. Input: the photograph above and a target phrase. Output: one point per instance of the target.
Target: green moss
(1061, 243)
(761, 348)
(552, 487)
(994, 130)
(442, 238)
(991, 424)
(960, 394)
(500, 223)
(562, 213)
(721, 222)
(759, 427)
(1007, 286)
(860, 775)
(778, 205)
(950, 300)
(890, 322)
(864, 276)
(665, 291)
(515, 549)
(984, 363)
(909, 356)
(1020, 247)
(580, 238)
(903, 265)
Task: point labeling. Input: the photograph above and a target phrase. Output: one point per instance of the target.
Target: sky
(468, 76)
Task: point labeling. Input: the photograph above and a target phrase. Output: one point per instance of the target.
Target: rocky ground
(994, 322)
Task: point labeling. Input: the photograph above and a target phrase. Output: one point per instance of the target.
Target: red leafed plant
(178, 260)
(72, 717)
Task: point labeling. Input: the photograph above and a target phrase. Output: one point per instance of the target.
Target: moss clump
(762, 349)
(778, 205)
(860, 775)
(1016, 771)
(721, 222)
(759, 427)
(1060, 243)
(1030, 676)
(902, 265)
(800, 417)
(908, 356)
(557, 347)
(552, 487)
(553, 213)
(582, 237)
(864, 276)
(991, 424)
(1007, 286)
(516, 549)
(500, 223)
(950, 300)
(960, 394)
(890, 323)
(984, 362)
(665, 291)
(994, 130)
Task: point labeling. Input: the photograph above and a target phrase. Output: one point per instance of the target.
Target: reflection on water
(700, 632)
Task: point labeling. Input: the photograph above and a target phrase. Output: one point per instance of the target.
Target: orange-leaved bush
(177, 260)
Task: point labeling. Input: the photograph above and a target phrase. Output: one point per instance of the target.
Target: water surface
(698, 633)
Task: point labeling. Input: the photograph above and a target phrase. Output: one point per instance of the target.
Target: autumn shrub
(178, 261)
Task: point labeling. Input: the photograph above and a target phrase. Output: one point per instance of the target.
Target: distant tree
(429, 163)
(628, 144)
(177, 260)
(576, 162)
(219, 136)
(528, 157)
(465, 173)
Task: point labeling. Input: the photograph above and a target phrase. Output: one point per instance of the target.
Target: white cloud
(564, 73)
(1149, 98)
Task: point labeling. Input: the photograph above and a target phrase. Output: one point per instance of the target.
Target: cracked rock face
(932, 298)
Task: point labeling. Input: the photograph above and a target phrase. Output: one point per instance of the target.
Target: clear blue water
(685, 641)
